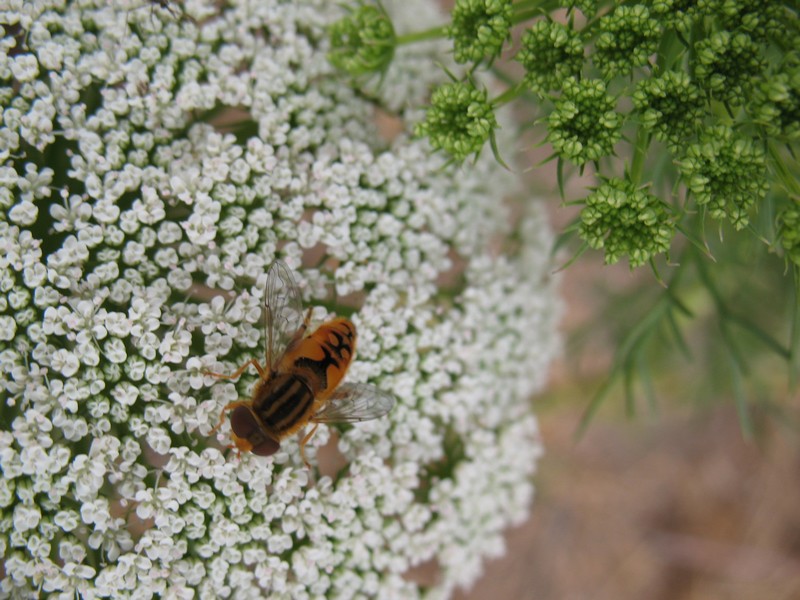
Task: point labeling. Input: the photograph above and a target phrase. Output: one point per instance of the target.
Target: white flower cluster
(155, 158)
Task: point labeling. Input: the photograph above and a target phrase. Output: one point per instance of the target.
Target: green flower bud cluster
(726, 64)
(479, 29)
(776, 101)
(550, 52)
(584, 126)
(679, 14)
(587, 7)
(459, 120)
(762, 20)
(363, 42)
(628, 36)
(726, 173)
(789, 232)
(667, 63)
(626, 221)
(670, 106)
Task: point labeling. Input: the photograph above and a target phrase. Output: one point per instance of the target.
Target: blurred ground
(676, 506)
(678, 509)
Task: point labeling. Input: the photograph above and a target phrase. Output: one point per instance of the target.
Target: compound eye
(266, 448)
(245, 426)
(243, 422)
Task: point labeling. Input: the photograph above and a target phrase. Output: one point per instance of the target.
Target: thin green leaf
(562, 239)
(496, 152)
(677, 302)
(794, 339)
(578, 253)
(731, 344)
(758, 235)
(757, 332)
(625, 350)
(784, 173)
(594, 405)
(645, 326)
(628, 373)
(739, 397)
(677, 336)
(728, 316)
(656, 273)
(646, 378)
(701, 245)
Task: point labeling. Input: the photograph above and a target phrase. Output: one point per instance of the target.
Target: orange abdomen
(283, 404)
(322, 358)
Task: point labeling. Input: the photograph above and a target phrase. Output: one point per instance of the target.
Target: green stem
(784, 174)
(525, 15)
(421, 36)
(514, 81)
(639, 155)
(794, 336)
(728, 316)
(528, 5)
(540, 6)
(508, 95)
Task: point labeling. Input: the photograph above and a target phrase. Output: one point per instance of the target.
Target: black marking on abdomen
(318, 367)
(331, 357)
(286, 404)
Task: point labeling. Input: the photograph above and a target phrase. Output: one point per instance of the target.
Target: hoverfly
(167, 6)
(175, 10)
(300, 383)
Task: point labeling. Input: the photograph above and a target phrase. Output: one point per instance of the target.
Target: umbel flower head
(776, 101)
(479, 28)
(626, 221)
(789, 232)
(583, 126)
(726, 173)
(362, 42)
(725, 66)
(134, 242)
(680, 14)
(628, 36)
(587, 7)
(459, 120)
(670, 106)
(762, 20)
(550, 52)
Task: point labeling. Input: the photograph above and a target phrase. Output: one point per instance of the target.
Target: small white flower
(8, 328)
(26, 517)
(65, 362)
(114, 350)
(159, 440)
(175, 346)
(24, 213)
(155, 272)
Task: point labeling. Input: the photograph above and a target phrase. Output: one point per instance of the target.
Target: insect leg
(261, 372)
(303, 443)
(228, 407)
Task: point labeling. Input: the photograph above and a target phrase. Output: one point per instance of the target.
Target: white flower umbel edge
(136, 231)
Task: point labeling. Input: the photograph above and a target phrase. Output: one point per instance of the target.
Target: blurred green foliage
(686, 114)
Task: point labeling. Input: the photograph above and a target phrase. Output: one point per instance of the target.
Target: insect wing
(283, 311)
(353, 402)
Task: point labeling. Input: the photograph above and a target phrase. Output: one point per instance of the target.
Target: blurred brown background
(668, 506)
(673, 504)
(678, 509)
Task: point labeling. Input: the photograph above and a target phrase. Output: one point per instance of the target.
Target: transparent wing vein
(283, 311)
(353, 402)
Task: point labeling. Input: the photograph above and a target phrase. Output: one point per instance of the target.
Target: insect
(175, 10)
(166, 5)
(301, 382)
